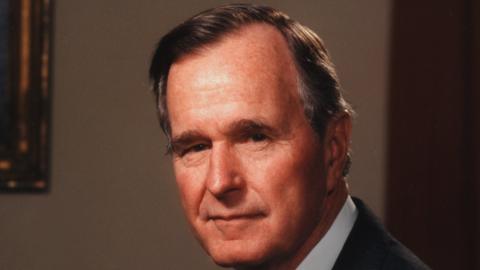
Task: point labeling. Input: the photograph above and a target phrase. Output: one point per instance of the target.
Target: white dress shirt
(325, 253)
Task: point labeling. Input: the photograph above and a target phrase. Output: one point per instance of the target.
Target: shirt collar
(325, 253)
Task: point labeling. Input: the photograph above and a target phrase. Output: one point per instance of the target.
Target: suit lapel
(366, 246)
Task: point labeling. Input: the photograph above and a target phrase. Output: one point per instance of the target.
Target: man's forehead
(249, 46)
(255, 56)
(241, 73)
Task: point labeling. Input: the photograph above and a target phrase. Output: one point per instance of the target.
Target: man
(259, 135)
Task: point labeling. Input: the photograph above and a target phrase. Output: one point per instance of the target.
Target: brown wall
(113, 202)
(434, 127)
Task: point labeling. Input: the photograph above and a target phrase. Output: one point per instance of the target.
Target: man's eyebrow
(236, 129)
(187, 137)
(242, 126)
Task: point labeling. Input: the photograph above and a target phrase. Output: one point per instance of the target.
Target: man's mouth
(233, 217)
(235, 222)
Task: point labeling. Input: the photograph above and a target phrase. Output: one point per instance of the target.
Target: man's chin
(237, 254)
(238, 262)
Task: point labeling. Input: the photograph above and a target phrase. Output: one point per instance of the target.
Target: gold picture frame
(25, 95)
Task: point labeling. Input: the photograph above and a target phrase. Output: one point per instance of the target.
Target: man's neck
(332, 205)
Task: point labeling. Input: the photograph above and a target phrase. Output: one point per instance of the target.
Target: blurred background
(410, 69)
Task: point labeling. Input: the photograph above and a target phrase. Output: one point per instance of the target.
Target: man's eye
(198, 147)
(258, 137)
(192, 149)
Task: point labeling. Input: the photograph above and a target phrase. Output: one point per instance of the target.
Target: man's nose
(224, 177)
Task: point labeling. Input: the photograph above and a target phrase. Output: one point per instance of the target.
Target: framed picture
(25, 61)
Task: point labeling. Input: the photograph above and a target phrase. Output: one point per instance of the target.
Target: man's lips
(233, 224)
(232, 217)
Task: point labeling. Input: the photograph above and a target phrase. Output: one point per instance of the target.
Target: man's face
(248, 165)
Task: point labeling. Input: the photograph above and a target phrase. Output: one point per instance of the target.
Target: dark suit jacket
(370, 246)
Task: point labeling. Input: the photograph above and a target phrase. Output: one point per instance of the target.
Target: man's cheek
(189, 196)
(189, 199)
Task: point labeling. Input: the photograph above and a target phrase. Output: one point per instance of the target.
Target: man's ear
(336, 145)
